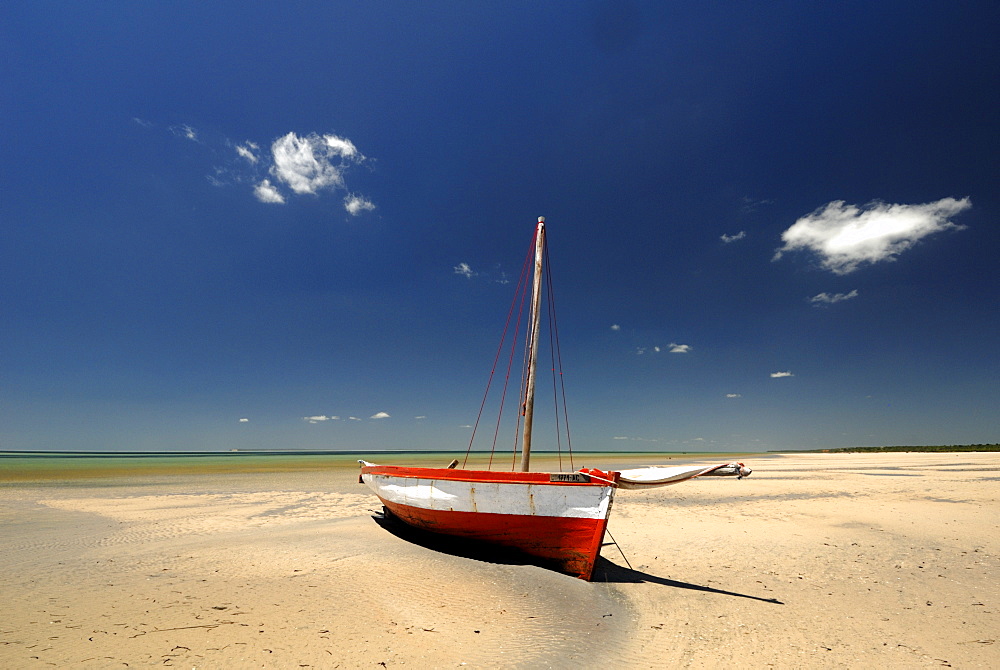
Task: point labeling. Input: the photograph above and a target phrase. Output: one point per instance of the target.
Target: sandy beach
(817, 560)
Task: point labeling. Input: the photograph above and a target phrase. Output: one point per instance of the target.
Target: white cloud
(266, 192)
(845, 236)
(379, 415)
(777, 375)
(249, 150)
(831, 298)
(656, 349)
(751, 205)
(733, 238)
(353, 418)
(319, 419)
(244, 420)
(185, 131)
(615, 327)
(421, 417)
(312, 163)
(619, 437)
(465, 270)
(679, 348)
(734, 395)
(300, 165)
(355, 204)
(341, 146)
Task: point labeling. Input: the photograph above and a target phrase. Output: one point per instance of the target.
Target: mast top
(541, 219)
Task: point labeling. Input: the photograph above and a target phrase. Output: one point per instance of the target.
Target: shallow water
(135, 469)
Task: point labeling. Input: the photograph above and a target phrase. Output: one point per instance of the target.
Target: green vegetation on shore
(869, 450)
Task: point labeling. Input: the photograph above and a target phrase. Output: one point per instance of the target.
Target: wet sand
(817, 560)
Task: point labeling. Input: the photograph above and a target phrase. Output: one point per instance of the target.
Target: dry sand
(885, 560)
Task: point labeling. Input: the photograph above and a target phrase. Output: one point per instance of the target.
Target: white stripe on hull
(584, 502)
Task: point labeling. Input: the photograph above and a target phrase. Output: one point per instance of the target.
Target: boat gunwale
(600, 477)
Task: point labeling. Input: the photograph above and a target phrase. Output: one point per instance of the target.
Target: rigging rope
(518, 293)
(518, 306)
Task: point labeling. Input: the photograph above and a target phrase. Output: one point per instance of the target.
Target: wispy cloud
(319, 418)
(465, 270)
(752, 205)
(266, 192)
(845, 236)
(778, 375)
(734, 395)
(733, 238)
(311, 164)
(831, 298)
(244, 420)
(249, 150)
(615, 327)
(679, 348)
(306, 165)
(185, 131)
(355, 204)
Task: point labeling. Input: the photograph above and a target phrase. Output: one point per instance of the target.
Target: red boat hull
(561, 522)
(572, 544)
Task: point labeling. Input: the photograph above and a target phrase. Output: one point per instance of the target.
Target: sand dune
(886, 560)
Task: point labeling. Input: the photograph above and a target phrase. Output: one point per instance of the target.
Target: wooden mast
(535, 321)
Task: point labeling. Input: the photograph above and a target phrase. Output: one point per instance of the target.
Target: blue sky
(772, 225)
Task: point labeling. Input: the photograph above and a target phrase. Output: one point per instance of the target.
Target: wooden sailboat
(560, 517)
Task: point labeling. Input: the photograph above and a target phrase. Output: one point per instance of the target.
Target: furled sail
(642, 478)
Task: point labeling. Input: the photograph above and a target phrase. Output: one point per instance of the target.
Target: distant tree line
(870, 450)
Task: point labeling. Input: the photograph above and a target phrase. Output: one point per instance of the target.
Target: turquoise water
(35, 466)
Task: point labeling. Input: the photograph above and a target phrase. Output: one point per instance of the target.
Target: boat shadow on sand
(604, 569)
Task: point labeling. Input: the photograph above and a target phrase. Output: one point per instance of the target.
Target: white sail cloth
(642, 478)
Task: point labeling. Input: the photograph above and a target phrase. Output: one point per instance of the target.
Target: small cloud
(312, 163)
(266, 192)
(379, 415)
(776, 375)
(615, 327)
(656, 349)
(244, 420)
(249, 150)
(845, 236)
(353, 418)
(733, 238)
(142, 122)
(679, 348)
(185, 131)
(465, 270)
(734, 395)
(355, 204)
(751, 205)
(619, 437)
(640, 350)
(832, 298)
(317, 419)
(420, 418)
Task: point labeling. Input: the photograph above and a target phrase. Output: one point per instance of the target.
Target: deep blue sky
(219, 219)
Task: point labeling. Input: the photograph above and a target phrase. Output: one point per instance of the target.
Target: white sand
(886, 560)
